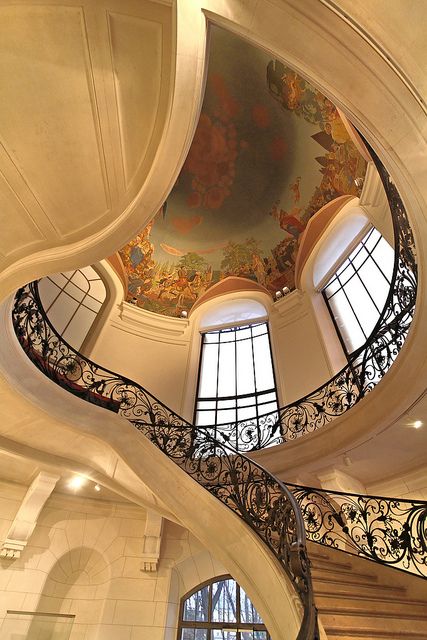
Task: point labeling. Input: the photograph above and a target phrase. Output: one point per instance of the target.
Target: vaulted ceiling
(269, 151)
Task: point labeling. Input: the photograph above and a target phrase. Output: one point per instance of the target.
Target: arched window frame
(364, 253)
(62, 282)
(240, 630)
(237, 407)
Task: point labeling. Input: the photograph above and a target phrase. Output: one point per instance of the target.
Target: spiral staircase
(364, 604)
(386, 531)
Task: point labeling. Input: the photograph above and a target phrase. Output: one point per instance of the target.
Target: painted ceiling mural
(269, 151)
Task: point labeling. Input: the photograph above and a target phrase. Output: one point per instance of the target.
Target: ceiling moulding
(155, 327)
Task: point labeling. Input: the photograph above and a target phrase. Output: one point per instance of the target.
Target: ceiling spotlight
(417, 424)
(77, 482)
(286, 290)
(184, 314)
(97, 487)
(278, 295)
(358, 182)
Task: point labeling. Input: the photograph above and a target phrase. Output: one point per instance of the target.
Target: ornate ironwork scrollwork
(255, 495)
(386, 530)
(366, 366)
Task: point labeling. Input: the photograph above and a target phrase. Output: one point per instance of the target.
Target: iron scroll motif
(256, 496)
(390, 531)
(387, 530)
(366, 366)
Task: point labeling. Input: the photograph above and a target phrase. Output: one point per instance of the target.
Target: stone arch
(76, 584)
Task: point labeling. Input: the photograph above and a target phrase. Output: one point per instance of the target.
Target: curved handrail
(391, 531)
(244, 486)
(366, 366)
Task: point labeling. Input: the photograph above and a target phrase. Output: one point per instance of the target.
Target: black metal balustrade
(391, 531)
(366, 366)
(259, 498)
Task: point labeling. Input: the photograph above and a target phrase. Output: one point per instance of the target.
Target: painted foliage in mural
(269, 151)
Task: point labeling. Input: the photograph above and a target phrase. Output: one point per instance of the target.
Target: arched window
(220, 610)
(357, 291)
(72, 301)
(236, 377)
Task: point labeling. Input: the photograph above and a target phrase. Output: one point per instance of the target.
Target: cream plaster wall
(162, 353)
(84, 558)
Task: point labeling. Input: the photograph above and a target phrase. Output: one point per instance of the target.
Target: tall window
(236, 378)
(357, 292)
(72, 301)
(220, 610)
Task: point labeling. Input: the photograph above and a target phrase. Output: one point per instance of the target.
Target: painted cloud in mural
(269, 151)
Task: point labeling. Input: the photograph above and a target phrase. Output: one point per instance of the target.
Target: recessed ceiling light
(77, 482)
(97, 487)
(417, 424)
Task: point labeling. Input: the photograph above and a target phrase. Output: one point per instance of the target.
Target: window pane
(245, 368)
(74, 291)
(263, 364)
(227, 404)
(79, 326)
(196, 607)
(225, 417)
(243, 333)
(378, 284)
(224, 601)
(61, 312)
(227, 336)
(254, 635)
(240, 362)
(384, 256)
(259, 329)
(58, 278)
(357, 300)
(48, 292)
(346, 321)
(371, 239)
(194, 634)
(211, 337)
(208, 371)
(227, 370)
(205, 418)
(80, 280)
(222, 634)
(97, 289)
(248, 613)
(206, 404)
(247, 413)
(93, 304)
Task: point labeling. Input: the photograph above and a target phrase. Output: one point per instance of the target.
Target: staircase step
(325, 586)
(391, 605)
(373, 634)
(343, 575)
(396, 622)
(320, 563)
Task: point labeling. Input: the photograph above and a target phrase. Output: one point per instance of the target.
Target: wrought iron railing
(366, 366)
(260, 499)
(391, 531)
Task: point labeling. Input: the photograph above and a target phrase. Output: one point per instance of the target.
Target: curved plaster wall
(381, 103)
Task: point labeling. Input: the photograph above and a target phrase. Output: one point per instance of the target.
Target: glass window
(72, 301)
(236, 378)
(358, 290)
(220, 610)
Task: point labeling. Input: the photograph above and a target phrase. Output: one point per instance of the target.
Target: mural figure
(269, 151)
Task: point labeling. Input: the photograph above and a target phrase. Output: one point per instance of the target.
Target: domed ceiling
(269, 151)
